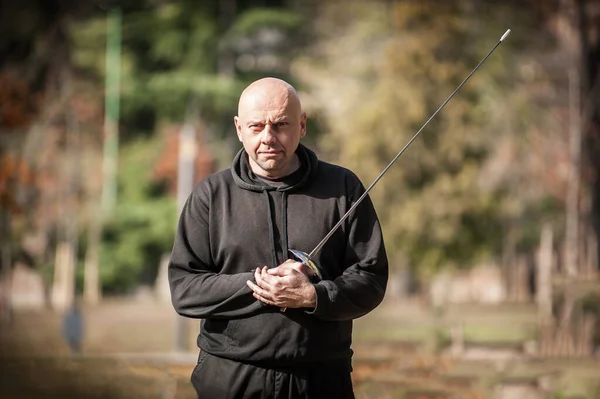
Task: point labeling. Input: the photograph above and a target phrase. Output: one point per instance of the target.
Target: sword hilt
(305, 259)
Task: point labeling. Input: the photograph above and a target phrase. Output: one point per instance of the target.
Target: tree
(574, 25)
(463, 184)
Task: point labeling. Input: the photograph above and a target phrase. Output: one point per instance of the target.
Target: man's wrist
(312, 300)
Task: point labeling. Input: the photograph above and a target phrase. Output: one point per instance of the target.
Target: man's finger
(260, 298)
(270, 279)
(278, 271)
(265, 280)
(268, 301)
(286, 270)
(303, 268)
(257, 276)
(258, 290)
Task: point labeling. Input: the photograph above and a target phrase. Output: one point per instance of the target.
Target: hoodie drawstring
(271, 233)
(283, 234)
(284, 238)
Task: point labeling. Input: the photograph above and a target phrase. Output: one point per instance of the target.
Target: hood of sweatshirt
(247, 180)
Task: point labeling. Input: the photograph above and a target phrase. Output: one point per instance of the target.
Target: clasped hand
(285, 286)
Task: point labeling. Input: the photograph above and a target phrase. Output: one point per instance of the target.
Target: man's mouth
(270, 153)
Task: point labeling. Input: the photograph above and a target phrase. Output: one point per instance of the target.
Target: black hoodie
(233, 222)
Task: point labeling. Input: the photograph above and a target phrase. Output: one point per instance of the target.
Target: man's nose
(268, 134)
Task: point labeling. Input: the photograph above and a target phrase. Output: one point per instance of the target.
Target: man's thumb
(276, 271)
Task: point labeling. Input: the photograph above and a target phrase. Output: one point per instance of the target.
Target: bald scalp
(269, 92)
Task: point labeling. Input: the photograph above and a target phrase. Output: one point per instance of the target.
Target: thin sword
(307, 258)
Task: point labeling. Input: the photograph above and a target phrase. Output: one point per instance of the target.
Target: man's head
(270, 124)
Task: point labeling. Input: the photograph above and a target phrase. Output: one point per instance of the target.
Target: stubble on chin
(270, 166)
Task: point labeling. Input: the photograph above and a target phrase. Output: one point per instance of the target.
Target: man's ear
(238, 127)
(303, 125)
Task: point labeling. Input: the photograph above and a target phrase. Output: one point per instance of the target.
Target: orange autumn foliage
(18, 105)
(14, 172)
(166, 166)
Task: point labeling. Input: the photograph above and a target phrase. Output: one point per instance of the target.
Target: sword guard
(304, 258)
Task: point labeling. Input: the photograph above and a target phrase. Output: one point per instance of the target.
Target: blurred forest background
(111, 110)
(94, 97)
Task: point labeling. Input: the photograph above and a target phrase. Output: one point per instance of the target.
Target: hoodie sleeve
(197, 289)
(361, 287)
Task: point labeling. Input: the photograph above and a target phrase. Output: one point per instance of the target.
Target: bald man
(270, 327)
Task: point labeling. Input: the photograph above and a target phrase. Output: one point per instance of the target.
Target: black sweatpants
(218, 378)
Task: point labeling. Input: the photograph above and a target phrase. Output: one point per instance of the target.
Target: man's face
(270, 125)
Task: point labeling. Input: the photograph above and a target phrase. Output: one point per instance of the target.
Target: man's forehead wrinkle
(267, 116)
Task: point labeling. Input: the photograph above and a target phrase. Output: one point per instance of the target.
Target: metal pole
(92, 292)
(111, 115)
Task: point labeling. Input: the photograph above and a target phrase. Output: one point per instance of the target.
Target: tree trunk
(5, 267)
(572, 256)
(589, 36)
(226, 61)
(91, 282)
(544, 276)
(64, 277)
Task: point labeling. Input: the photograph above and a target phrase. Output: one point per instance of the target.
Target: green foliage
(172, 53)
(143, 225)
(256, 19)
